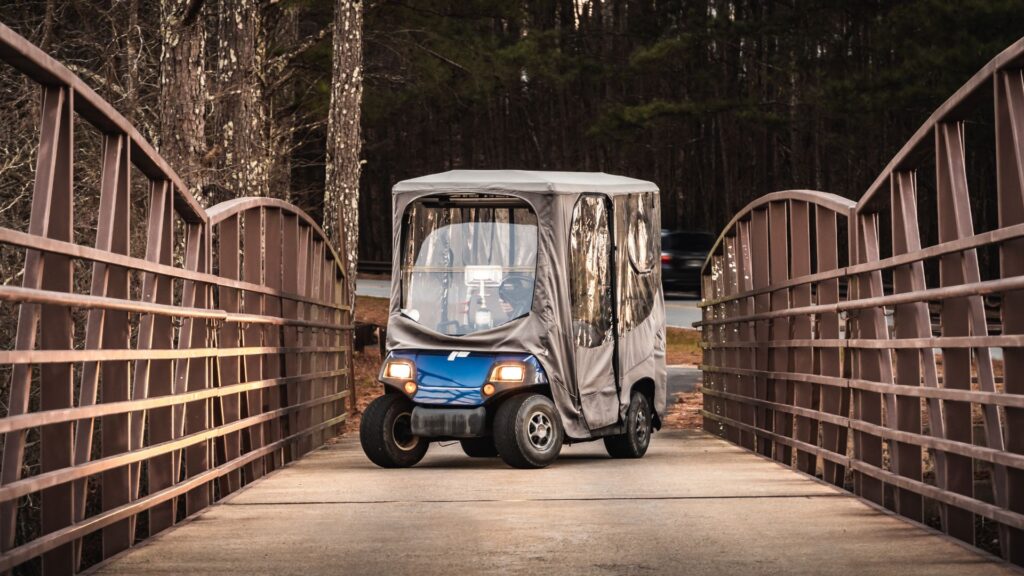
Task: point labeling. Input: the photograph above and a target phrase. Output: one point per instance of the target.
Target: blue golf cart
(526, 312)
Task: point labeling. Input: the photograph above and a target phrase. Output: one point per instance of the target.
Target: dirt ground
(683, 348)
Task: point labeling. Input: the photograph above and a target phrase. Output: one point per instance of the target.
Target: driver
(516, 295)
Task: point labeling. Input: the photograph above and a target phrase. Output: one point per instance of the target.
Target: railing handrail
(30, 60)
(951, 109)
(833, 202)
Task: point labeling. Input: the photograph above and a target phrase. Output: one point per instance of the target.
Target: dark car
(682, 256)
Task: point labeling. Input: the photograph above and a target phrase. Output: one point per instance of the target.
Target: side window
(590, 272)
(638, 279)
(641, 237)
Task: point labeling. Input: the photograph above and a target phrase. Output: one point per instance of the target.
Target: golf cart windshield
(468, 262)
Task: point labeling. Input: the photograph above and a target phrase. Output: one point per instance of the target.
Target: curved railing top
(952, 109)
(229, 208)
(36, 64)
(833, 202)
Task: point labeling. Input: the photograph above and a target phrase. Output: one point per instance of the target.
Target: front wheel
(634, 443)
(386, 433)
(527, 431)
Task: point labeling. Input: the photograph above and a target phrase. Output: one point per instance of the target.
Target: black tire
(386, 433)
(479, 447)
(639, 425)
(528, 431)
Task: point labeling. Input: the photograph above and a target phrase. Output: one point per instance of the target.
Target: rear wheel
(385, 433)
(479, 447)
(634, 442)
(527, 431)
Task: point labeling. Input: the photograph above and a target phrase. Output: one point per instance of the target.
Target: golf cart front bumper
(449, 422)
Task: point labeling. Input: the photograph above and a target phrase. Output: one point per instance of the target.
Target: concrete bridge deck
(694, 505)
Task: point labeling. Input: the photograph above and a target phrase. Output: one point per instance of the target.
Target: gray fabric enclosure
(571, 337)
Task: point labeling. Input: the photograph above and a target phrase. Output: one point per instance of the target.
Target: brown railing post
(909, 321)
(55, 328)
(762, 304)
(827, 361)
(954, 209)
(779, 390)
(1009, 104)
(745, 333)
(869, 363)
(802, 358)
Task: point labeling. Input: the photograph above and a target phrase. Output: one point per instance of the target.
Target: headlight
(508, 373)
(398, 369)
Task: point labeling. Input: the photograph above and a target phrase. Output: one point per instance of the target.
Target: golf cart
(526, 311)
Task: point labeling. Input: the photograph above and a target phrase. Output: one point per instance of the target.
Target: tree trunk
(182, 94)
(341, 192)
(281, 114)
(243, 162)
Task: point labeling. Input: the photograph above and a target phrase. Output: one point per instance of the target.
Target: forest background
(716, 101)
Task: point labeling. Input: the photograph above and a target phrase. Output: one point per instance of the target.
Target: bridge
(177, 379)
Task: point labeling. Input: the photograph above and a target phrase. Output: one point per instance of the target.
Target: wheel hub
(641, 425)
(540, 431)
(401, 431)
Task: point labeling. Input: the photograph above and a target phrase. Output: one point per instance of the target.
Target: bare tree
(240, 113)
(344, 143)
(182, 94)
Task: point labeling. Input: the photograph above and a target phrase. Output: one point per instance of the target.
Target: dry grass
(684, 414)
(372, 310)
(683, 346)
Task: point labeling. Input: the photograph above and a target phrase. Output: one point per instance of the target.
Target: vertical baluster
(872, 364)
(230, 337)
(272, 307)
(190, 373)
(158, 221)
(746, 333)
(910, 321)
(45, 220)
(252, 256)
(161, 423)
(954, 223)
(762, 303)
(730, 381)
(1009, 97)
(833, 437)
(114, 374)
(56, 329)
(290, 309)
(780, 391)
(306, 386)
(802, 357)
(707, 336)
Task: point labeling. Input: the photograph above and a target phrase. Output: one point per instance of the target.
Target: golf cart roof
(524, 181)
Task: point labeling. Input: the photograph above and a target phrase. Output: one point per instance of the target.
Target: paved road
(695, 505)
(680, 309)
(682, 379)
(373, 288)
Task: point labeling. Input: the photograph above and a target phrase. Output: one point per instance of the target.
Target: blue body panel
(455, 378)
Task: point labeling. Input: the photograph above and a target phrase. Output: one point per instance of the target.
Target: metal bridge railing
(142, 389)
(904, 390)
